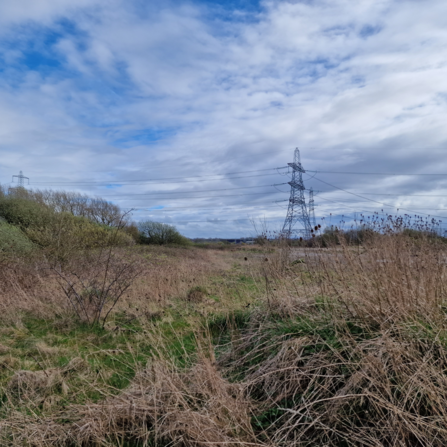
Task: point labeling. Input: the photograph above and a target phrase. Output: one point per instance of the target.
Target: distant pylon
(297, 211)
(313, 221)
(20, 179)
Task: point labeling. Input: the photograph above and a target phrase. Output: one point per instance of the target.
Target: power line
(149, 195)
(161, 180)
(128, 182)
(203, 197)
(244, 208)
(191, 192)
(158, 168)
(397, 195)
(401, 195)
(396, 207)
(225, 220)
(342, 203)
(375, 201)
(350, 207)
(374, 173)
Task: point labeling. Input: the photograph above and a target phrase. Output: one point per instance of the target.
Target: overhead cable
(191, 192)
(160, 180)
(375, 173)
(375, 201)
(225, 220)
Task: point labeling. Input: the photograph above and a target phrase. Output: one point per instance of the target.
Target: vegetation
(59, 232)
(341, 341)
(156, 233)
(13, 241)
(94, 209)
(24, 213)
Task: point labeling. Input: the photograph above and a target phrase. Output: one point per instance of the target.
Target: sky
(188, 112)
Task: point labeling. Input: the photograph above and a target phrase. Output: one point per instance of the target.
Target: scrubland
(339, 343)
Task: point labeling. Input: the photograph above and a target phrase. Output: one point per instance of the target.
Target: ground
(263, 345)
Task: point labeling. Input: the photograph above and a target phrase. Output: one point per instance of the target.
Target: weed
(197, 294)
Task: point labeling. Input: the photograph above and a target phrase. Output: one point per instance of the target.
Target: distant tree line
(63, 220)
(95, 209)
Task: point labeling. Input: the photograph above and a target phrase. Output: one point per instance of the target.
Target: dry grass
(173, 407)
(345, 347)
(362, 360)
(165, 273)
(26, 286)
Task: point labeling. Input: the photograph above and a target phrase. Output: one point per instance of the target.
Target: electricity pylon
(297, 211)
(20, 179)
(313, 221)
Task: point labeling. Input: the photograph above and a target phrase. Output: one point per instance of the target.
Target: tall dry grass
(362, 358)
(26, 286)
(347, 346)
(389, 278)
(165, 273)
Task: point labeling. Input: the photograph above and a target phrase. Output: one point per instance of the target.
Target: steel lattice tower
(313, 221)
(297, 211)
(20, 179)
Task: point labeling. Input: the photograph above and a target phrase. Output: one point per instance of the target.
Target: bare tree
(93, 281)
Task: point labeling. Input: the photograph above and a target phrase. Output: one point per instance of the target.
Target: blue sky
(152, 104)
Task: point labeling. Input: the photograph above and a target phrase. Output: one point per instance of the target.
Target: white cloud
(42, 11)
(364, 83)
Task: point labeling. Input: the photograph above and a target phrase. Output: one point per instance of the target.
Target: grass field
(253, 346)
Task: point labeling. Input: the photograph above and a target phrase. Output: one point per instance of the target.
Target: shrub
(132, 230)
(61, 233)
(66, 233)
(94, 282)
(261, 240)
(24, 213)
(13, 241)
(158, 233)
(95, 209)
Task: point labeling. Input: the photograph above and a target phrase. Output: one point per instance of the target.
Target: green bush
(157, 233)
(59, 233)
(65, 231)
(131, 229)
(24, 213)
(13, 240)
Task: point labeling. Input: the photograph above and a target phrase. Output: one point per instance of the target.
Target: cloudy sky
(184, 110)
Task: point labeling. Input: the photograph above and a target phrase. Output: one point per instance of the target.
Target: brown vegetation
(263, 346)
(163, 273)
